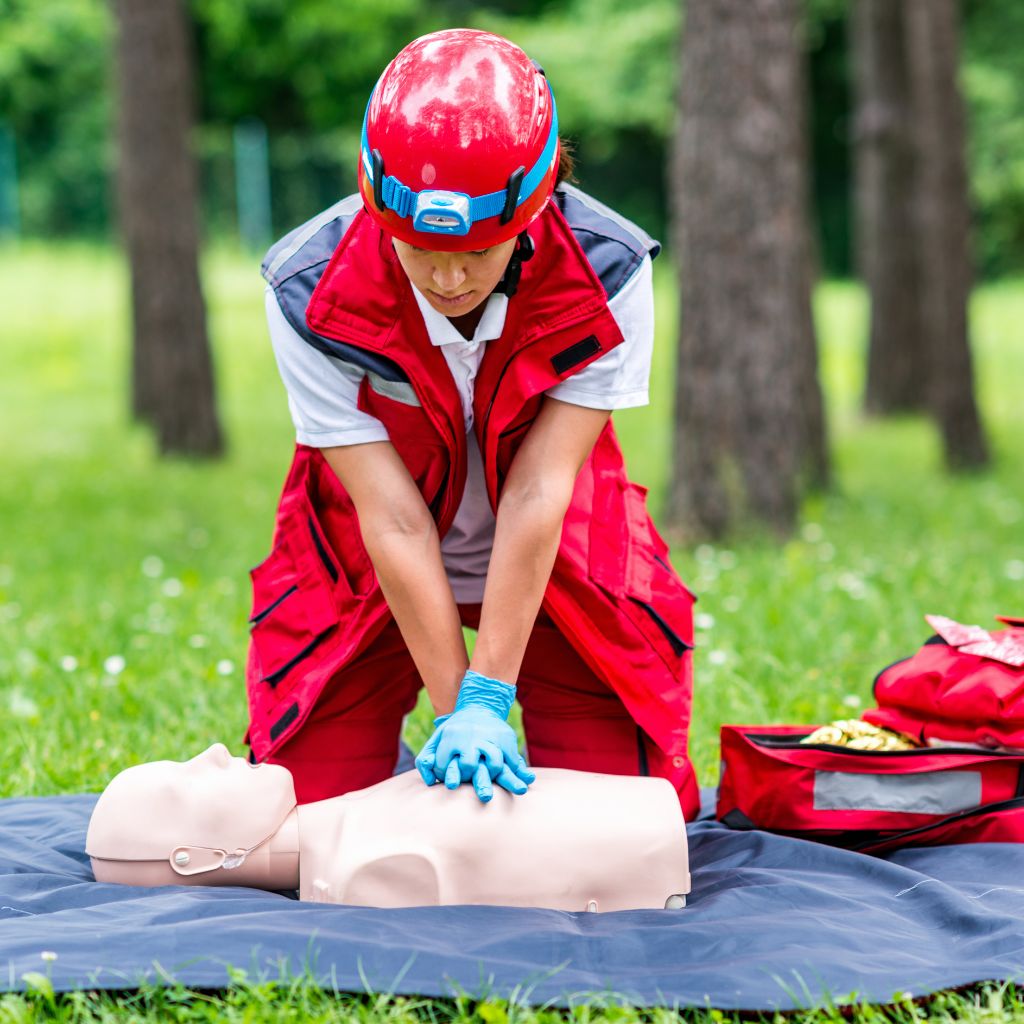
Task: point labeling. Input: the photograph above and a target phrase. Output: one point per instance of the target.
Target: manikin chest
(400, 844)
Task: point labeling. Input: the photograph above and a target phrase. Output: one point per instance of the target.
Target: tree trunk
(945, 261)
(887, 220)
(172, 373)
(746, 380)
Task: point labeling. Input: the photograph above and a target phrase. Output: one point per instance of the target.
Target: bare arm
(530, 513)
(401, 539)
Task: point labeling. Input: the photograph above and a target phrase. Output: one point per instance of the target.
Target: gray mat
(772, 923)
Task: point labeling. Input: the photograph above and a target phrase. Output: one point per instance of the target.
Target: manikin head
(206, 821)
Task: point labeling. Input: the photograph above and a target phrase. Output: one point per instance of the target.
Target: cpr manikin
(575, 841)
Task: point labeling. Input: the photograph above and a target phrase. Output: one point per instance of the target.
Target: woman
(453, 340)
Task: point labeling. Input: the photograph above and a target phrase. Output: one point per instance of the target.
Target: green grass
(123, 587)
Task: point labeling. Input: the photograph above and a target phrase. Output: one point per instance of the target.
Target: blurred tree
(172, 373)
(54, 96)
(885, 194)
(993, 81)
(944, 241)
(747, 358)
(300, 63)
(304, 67)
(825, 39)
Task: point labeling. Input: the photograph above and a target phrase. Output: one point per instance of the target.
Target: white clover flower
(114, 665)
(69, 663)
(153, 566)
(1014, 569)
(172, 587)
(717, 657)
(703, 620)
(225, 667)
(48, 955)
(812, 532)
(851, 700)
(21, 705)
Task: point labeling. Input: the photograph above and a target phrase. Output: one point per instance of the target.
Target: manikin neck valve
(441, 212)
(194, 860)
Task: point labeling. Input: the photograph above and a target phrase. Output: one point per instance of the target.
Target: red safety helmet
(460, 142)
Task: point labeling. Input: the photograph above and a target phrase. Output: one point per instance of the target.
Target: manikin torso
(575, 841)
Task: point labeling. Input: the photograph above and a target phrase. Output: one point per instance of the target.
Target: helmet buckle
(515, 183)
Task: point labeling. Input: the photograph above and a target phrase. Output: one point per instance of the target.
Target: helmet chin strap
(523, 253)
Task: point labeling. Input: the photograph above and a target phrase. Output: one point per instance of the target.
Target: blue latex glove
(475, 743)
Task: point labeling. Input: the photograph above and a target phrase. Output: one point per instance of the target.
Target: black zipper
(275, 677)
(515, 430)
(260, 616)
(766, 740)
(494, 393)
(970, 812)
(644, 766)
(329, 565)
(676, 642)
(438, 419)
(435, 503)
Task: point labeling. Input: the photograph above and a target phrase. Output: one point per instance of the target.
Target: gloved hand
(475, 742)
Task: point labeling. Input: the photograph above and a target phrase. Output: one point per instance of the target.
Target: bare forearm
(529, 527)
(412, 577)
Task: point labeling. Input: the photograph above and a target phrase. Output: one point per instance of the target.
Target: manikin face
(454, 283)
(212, 801)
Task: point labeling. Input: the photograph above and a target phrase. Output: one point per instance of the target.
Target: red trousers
(571, 718)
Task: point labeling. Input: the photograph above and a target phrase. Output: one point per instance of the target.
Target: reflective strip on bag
(397, 390)
(929, 793)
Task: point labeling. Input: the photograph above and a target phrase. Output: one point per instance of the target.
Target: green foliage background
(305, 68)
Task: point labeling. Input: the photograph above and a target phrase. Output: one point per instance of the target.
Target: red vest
(612, 592)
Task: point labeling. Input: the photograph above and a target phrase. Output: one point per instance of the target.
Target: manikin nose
(220, 754)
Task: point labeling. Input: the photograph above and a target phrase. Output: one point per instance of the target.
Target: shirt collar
(442, 331)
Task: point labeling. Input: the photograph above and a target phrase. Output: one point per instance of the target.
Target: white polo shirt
(322, 392)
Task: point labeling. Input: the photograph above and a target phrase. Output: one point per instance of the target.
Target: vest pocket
(298, 593)
(629, 560)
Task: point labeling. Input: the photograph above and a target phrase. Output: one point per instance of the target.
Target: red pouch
(963, 686)
(872, 801)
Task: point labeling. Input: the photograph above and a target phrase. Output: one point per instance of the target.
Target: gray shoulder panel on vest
(614, 246)
(293, 267)
(310, 243)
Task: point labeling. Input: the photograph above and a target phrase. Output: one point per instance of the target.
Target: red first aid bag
(872, 801)
(964, 686)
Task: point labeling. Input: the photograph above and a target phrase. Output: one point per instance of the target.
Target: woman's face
(454, 283)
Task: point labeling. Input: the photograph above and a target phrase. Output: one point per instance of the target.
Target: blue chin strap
(441, 212)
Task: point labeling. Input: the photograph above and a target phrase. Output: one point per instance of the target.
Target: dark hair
(566, 162)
